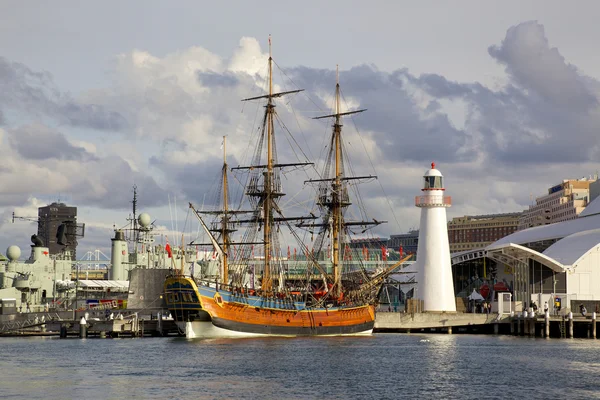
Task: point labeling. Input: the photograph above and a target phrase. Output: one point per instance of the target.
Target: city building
(404, 243)
(58, 229)
(594, 190)
(477, 231)
(563, 202)
(367, 249)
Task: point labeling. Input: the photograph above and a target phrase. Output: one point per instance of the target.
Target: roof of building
(517, 250)
(569, 250)
(557, 230)
(592, 208)
(89, 283)
(574, 239)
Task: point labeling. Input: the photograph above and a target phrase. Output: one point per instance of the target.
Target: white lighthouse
(434, 277)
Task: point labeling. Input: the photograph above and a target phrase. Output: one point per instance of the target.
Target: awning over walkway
(517, 251)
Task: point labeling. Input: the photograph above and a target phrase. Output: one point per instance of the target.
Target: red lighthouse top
(432, 165)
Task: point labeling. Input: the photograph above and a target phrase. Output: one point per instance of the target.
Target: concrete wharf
(140, 323)
(521, 324)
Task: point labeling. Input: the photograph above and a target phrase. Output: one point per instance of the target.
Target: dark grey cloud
(91, 116)
(38, 142)
(34, 94)
(399, 125)
(439, 86)
(200, 181)
(214, 79)
(108, 184)
(546, 113)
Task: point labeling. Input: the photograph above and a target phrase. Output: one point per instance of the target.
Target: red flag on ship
(294, 253)
(401, 250)
(168, 250)
(288, 252)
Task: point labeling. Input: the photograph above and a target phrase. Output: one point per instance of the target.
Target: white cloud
(494, 145)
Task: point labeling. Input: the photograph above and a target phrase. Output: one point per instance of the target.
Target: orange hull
(241, 317)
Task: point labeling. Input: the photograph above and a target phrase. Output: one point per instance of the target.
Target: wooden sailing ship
(317, 301)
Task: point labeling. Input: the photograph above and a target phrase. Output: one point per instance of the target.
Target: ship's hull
(183, 302)
(235, 314)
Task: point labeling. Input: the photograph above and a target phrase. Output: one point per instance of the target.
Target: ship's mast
(333, 193)
(337, 186)
(267, 284)
(225, 220)
(269, 192)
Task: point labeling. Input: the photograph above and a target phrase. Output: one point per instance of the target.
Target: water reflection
(382, 366)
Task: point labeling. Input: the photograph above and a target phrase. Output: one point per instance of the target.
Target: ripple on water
(384, 366)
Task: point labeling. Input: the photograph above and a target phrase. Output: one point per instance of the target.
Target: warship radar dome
(144, 220)
(13, 253)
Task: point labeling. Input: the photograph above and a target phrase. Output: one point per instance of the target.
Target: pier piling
(571, 325)
(547, 324)
(593, 325)
(531, 324)
(82, 328)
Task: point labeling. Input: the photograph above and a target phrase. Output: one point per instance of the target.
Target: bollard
(63, 331)
(102, 334)
(449, 330)
(547, 324)
(571, 325)
(593, 325)
(525, 324)
(519, 325)
(82, 328)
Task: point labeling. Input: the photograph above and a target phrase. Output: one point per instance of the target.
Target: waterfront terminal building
(556, 262)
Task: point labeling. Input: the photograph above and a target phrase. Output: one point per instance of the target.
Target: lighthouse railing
(433, 200)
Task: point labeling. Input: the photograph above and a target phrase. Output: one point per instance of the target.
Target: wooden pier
(119, 323)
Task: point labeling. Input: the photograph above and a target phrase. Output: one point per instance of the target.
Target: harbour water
(384, 366)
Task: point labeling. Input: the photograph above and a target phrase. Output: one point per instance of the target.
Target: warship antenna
(135, 223)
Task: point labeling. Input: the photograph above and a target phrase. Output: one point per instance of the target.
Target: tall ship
(272, 294)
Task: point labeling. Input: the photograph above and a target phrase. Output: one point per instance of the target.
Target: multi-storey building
(563, 202)
(594, 190)
(406, 243)
(57, 227)
(474, 232)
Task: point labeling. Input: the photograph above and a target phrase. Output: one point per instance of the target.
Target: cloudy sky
(94, 98)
